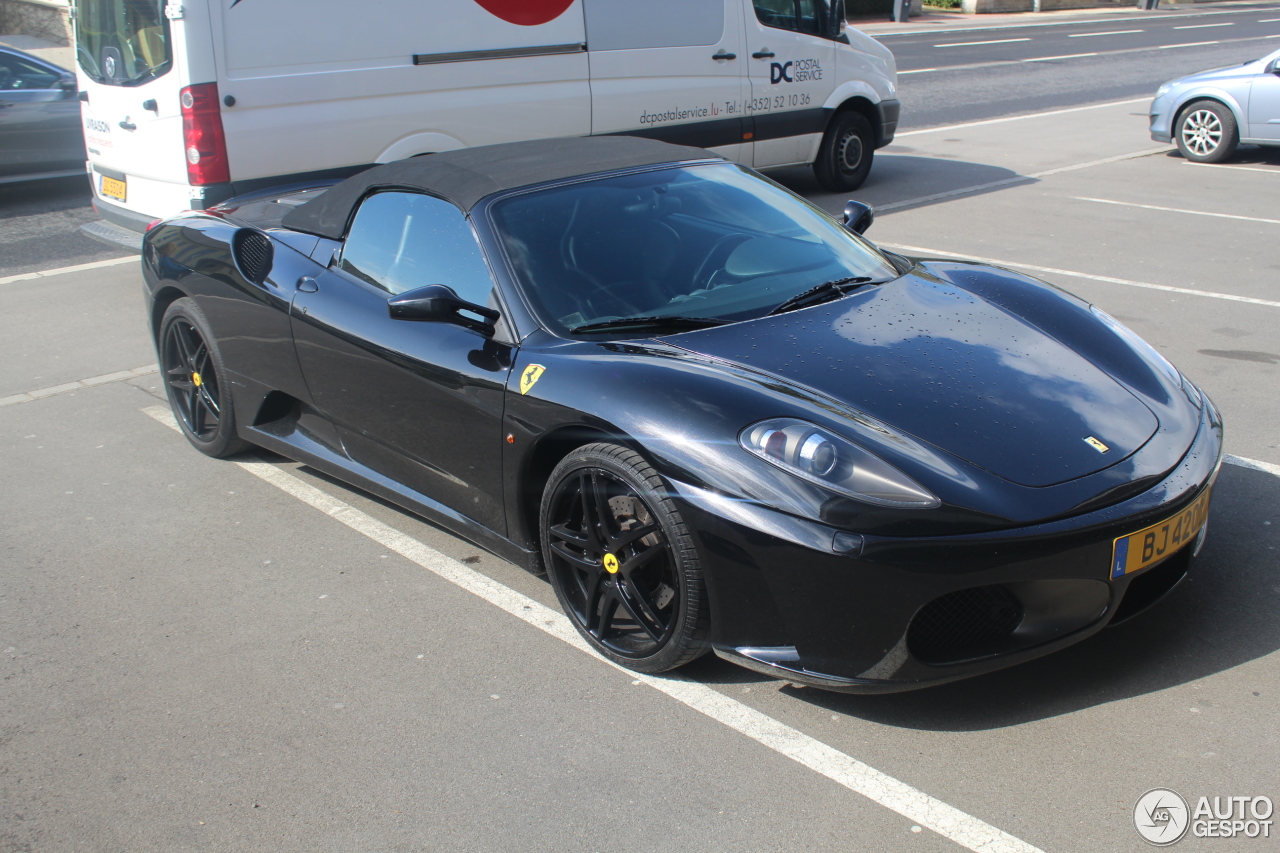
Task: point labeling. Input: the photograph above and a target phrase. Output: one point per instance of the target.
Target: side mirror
(858, 216)
(1275, 67)
(67, 84)
(437, 303)
(839, 21)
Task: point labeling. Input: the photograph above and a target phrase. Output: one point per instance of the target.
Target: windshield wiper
(824, 292)
(649, 322)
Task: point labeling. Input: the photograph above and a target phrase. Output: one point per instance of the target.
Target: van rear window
(122, 42)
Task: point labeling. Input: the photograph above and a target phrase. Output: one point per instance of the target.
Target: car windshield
(122, 42)
(711, 242)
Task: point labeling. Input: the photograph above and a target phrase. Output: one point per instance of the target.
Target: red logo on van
(526, 13)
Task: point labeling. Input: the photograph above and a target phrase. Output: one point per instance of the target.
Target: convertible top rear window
(709, 241)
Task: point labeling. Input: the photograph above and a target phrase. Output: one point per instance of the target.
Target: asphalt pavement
(245, 655)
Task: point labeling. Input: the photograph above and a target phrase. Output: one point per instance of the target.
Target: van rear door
(669, 70)
(132, 118)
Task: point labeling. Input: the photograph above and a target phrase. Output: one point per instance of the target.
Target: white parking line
(26, 276)
(1017, 179)
(938, 253)
(92, 381)
(1112, 33)
(973, 43)
(1204, 26)
(944, 128)
(947, 821)
(1232, 168)
(1178, 210)
(1189, 44)
(1051, 58)
(1268, 467)
(1267, 21)
(916, 71)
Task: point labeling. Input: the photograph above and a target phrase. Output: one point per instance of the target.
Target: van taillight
(202, 137)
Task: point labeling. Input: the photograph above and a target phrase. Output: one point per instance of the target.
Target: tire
(1206, 132)
(622, 562)
(844, 160)
(193, 371)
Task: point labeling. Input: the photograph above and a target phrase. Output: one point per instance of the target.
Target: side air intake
(253, 253)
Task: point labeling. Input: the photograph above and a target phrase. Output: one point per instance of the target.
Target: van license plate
(1152, 544)
(111, 188)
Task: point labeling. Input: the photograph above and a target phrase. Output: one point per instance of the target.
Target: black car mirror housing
(858, 216)
(437, 303)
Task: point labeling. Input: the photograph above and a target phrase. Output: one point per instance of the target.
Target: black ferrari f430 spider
(717, 417)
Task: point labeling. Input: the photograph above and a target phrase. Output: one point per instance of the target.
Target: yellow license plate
(1152, 544)
(112, 188)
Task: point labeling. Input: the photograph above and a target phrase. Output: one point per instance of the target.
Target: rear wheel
(194, 376)
(621, 560)
(1206, 132)
(844, 160)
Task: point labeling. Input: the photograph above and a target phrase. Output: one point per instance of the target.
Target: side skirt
(300, 447)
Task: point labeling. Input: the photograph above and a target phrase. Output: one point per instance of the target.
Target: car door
(1264, 103)
(669, 70)
(792, 69)
(39, 117)
(418, 402)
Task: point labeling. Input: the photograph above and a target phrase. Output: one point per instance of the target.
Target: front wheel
(1206, 132)
(844, 159)
(622, 561)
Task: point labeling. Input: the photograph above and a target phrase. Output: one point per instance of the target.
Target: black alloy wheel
(192, 368)
(621, 560)
(844, 159)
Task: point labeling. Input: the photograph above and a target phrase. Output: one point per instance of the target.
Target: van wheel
(844, 160)
(1206, 132)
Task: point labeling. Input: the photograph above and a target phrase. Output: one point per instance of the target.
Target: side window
(18, 73)
(805, 16)
(630, 24)
(402, 241)
(780, 14)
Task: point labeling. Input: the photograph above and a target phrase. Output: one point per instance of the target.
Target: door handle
(307, 284)
(128, 125)
(722, 54)
(763, 54)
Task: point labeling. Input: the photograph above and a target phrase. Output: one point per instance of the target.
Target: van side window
(804, 16)
(402, 241)
(630, 24)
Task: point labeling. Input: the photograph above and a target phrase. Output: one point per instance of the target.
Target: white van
(189, 103)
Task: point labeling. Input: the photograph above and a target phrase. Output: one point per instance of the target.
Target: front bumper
(1160, 120)
(904, 613)
(889, 111)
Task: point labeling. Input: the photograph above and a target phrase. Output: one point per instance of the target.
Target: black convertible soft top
(469, 174)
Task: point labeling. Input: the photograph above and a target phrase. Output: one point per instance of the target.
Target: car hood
(952, 369)
(1230, 72)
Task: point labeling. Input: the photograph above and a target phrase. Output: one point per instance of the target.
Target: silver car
(1210, 113)
(40, 131)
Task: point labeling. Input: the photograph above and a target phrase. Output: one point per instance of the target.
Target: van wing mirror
(437, 303)
(858, 216)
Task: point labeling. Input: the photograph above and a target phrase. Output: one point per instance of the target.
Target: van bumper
(888, 124)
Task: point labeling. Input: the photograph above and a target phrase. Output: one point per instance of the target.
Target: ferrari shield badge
(530, 377)
(1096, 445)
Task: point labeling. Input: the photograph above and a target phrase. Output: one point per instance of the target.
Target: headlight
(837, 464)
(1164, 90)
(1131, 338)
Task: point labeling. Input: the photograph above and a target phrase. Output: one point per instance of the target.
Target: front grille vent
(252, 251)
(965, 624)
